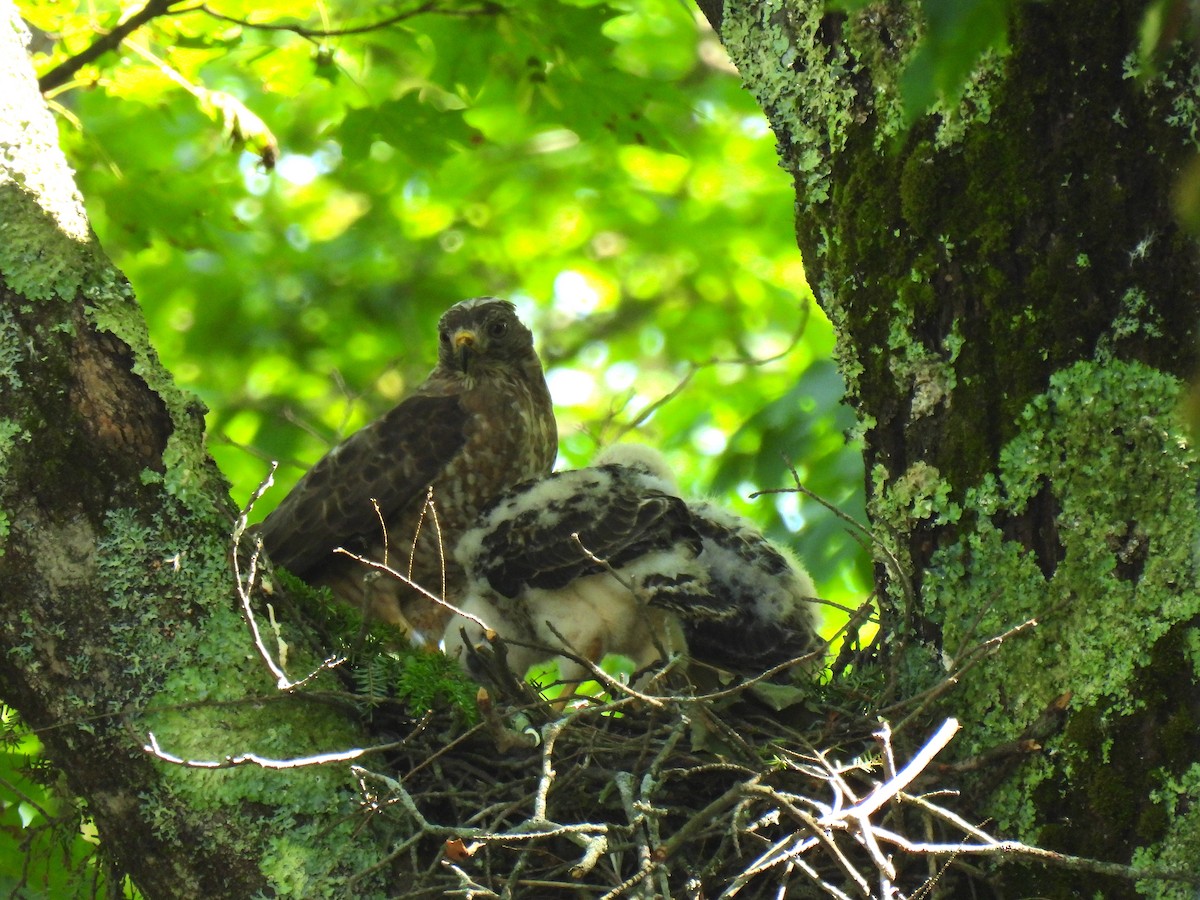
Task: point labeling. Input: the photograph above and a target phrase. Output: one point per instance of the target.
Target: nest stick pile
(674, 795)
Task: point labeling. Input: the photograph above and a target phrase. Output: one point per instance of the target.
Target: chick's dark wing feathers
(392, 461)
(762, 613)
(525, 540)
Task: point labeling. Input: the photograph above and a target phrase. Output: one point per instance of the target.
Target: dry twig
(245, 589)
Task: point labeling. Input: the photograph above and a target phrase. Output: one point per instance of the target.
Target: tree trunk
(1016, 316)
(119, 614)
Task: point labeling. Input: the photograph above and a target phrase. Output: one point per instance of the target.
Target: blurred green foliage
(47, 843)
(297, 195)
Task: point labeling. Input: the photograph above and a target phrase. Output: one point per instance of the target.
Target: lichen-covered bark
(1016, 317)
(118, 615)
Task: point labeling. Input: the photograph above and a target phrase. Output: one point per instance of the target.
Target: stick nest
(763, 789)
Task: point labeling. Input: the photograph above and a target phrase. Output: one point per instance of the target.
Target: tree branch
(485, 8)
(64, 71)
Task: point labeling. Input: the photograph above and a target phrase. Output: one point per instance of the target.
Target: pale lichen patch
(1111, 581)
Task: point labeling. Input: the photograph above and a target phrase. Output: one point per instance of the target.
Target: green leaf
(958, 34)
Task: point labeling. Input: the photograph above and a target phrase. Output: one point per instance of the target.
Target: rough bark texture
(1016, 314)
(118, 609)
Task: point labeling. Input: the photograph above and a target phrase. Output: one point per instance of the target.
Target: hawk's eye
(497, 328)
(444, 336)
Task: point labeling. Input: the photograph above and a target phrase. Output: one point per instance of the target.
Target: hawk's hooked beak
(465, 346)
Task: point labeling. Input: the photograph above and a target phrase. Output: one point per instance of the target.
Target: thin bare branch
(889, 789)
(399, 576)
(893, 563)
(919, 702)
(245, 590)
(693, 367)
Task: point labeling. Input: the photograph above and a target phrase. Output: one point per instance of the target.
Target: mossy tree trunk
(1017, 321)
(118, 613)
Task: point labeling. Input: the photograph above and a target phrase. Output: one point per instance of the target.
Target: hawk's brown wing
(392, 460)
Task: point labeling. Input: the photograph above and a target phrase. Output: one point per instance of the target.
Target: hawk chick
(528, 575)
(480, 422)
(670, 570)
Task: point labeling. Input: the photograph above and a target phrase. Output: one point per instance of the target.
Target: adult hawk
(658, 574)
(481, 422)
